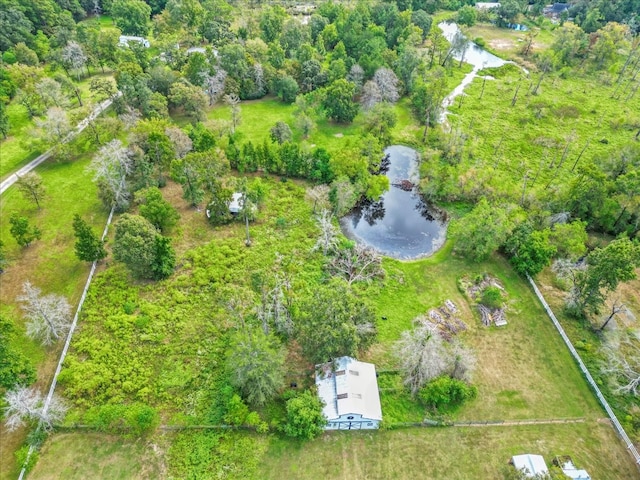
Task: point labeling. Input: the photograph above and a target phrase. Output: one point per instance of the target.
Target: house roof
(351, 389)
(534, 464)
(236, 203)
(557, 7)
(487, 5)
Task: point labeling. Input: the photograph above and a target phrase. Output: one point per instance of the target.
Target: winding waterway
(401, 224)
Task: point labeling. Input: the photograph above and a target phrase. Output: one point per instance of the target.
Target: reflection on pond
(400, 224)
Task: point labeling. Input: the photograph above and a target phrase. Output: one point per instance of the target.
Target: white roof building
(570, 470)
(125, 39)
(487, 5)
(532, 465)
(350, 394)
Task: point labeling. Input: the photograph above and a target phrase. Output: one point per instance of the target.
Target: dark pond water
(401, 224)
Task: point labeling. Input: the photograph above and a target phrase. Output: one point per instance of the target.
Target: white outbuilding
(124, 41)
(349, 390)
(531, 465)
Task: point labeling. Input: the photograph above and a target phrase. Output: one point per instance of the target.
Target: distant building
(531, 465)
(350, 394)
(125, 39)
(555, 10)
(487, 5)
(236, 203)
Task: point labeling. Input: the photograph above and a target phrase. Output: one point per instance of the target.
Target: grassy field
(49, 263)
(446, 453)
(90, 455)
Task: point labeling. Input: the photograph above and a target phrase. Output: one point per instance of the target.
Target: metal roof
(351, 389)
(534, 464)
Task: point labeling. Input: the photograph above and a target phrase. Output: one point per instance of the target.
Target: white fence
(603, 401)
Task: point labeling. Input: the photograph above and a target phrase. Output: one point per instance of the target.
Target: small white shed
(350, 394)
(574, 473)
(125, 39)
(532, 465)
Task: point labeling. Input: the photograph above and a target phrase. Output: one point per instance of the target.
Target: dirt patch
(501, 44)
(339, 135)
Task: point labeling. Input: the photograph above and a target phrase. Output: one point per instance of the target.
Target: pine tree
(88, 247)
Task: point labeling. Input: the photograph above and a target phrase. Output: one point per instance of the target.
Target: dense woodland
(539, 165)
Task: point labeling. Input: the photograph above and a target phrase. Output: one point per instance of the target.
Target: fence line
(67, 343)
(614, 420)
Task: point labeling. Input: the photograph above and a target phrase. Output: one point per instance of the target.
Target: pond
(400, 224)
(472, 53)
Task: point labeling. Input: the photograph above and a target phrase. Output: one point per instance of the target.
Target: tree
(328, 238)
(424, 355)
(49, 316)
(256, 365)
(233, 102)
(570, 239)
(74, 57)
(199, 172)
(88, 247)
(22, 231)
(371, 95)
(387, 83)
(4, 120)
(131, 16)
(281, 132)
(467, 16)
(30, 185)
(356, 264)
(338, 101)
(50, 92)
(111, 165)
(304, 416)
(15, 368)
(446, 393)
(606, 268)
(102, 88)
(53, 131)
(138, 245)
(379, 122)
(333, 322)
(356, 76)
(530, 250)
(26, 404)
(478, 234)
(156, 209)
(3, 257)
(190, 98)
(622, 363)
(286, 88)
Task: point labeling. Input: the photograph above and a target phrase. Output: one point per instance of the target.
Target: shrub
(446, 393)
(492, 297)
(304, 416)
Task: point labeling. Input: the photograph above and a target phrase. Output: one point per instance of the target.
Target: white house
(532, 465)
(350, 394)
(125, 39)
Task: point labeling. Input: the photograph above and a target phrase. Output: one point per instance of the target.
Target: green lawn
(49, 263)
(90, 455)
(13, 153)
(446, 453)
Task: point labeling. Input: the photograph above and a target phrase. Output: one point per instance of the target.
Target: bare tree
(215, 85)
(49, 316)
(50, 92)
(616, 307)
(328, 239)
(371, 95)
(74, 57)
(130, 117)
(182, 144)
(30, 185)
(622, 362)
(111, 165)
(26, 404)
(356, 76)
(424, 355)
(357, 264)
(387, 84)
(320, 196)
(275, 307)
(233, 102)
